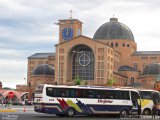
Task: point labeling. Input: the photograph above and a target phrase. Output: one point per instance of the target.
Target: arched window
(82, 63)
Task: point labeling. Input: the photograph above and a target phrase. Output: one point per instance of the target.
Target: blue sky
(27, 27)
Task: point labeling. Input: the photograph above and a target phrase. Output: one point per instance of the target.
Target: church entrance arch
(83, 62)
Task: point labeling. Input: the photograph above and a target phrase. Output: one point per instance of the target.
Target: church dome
(113, 30)
(152, 69)
(126, 68)
(43, 69)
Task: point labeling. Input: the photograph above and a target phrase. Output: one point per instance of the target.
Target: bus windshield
(39, 89)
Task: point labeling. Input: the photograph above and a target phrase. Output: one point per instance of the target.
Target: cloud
(27, 27)
(12, 72)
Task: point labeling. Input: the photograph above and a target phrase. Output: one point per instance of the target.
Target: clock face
(67, 33)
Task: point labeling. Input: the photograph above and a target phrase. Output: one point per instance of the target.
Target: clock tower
(69, 28)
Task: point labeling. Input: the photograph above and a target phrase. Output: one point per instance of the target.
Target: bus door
(136, 102)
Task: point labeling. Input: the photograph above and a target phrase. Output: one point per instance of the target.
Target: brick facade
(109, 55)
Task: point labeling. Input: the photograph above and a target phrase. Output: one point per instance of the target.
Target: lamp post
(58, 82)
(25, 94)
(25, 84)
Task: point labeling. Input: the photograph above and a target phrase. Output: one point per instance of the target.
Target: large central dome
(113, 30)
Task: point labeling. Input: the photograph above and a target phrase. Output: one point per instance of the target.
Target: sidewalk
(7, 109)
(17, 109)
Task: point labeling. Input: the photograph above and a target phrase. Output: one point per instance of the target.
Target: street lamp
(25, 93)
(25, 84)
(58, 82)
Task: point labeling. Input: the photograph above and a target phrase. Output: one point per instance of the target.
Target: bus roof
(149, 90)
(140, 89)
(89, 87)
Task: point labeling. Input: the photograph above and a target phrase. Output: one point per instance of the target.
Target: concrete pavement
(17, 109)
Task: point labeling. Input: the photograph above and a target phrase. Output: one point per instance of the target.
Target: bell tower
(69, 28)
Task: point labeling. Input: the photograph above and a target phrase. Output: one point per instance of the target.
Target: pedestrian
(2, 102)
(6, 103)
(154, 111)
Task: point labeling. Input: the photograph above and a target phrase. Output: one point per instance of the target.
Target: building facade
(110, 56)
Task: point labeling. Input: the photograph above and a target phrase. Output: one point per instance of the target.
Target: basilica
(110, 57)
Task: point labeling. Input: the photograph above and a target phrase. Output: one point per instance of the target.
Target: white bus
(85, 100)
(149, 99)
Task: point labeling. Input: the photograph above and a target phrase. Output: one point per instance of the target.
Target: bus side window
(122, 95)
(103, 94)
(84, 93)
(72, 93)
(91, 94)
(78, 93)
(50, 92)
(98, 94)
(63, 92)
(109, 94)
(56, 92)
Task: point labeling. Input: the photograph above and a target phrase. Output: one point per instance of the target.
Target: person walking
(2, 102)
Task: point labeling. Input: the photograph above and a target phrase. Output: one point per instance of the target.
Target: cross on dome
(71, 12)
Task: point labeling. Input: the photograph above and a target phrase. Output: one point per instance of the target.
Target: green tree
(110, 82)
(77, 80)
(7, 88)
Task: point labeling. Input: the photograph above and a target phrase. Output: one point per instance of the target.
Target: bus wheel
(146, 112)
(124, 112)
(70, 112)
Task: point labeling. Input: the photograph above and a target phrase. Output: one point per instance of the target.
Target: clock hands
(67, 32)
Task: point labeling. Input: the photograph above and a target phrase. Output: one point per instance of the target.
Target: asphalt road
(36, 116)
(52, 117)
(29, 114)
